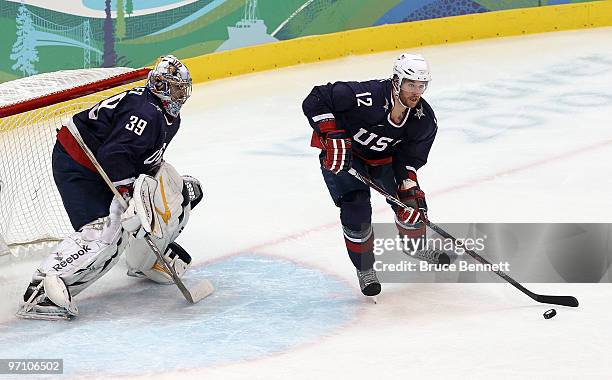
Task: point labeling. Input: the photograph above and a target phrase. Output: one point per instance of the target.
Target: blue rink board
(261, 305)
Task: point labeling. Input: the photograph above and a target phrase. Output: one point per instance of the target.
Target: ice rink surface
(524, 136)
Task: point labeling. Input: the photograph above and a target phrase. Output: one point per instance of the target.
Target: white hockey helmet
(411, 67)
(170, 81)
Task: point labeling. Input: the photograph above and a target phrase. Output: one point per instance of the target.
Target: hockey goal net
(31, 110)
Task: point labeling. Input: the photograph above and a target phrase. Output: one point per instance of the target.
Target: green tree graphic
(120, 24)
(129, 7)
(24, 51)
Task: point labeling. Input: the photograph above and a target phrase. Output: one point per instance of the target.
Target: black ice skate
(368, 282)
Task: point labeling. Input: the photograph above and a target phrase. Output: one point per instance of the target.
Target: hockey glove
(412, 196)
(127, 217)
(338, 154)
(116, 208)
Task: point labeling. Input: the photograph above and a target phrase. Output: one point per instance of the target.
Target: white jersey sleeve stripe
(324, 116)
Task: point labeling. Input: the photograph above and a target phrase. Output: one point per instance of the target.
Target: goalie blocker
(160, 205)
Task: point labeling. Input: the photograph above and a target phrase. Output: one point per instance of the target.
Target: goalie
(127, 134)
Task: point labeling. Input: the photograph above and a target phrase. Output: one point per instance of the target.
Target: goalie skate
(46, 311)
(38, 306)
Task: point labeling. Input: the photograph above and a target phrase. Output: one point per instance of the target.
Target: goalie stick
(193, 295)
(556, 300)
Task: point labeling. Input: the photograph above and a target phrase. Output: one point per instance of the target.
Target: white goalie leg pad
(76, 262)
(142, 261)
(158, 201)
(164, 210)
(86, 255)
(150, 267)
(4, 249)
(57, 292)
(139, 257)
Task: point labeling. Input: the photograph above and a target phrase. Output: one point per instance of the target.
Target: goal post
(31, 110)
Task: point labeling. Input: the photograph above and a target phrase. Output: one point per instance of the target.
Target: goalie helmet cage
(31, 110)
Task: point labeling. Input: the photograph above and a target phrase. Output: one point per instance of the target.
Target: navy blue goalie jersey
(127, 133)
(363, 110)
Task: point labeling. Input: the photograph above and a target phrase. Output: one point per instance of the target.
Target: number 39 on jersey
(136, 125)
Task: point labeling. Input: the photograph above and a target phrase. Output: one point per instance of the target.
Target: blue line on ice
(262, 305)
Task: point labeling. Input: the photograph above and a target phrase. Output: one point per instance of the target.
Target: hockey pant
(353, 198)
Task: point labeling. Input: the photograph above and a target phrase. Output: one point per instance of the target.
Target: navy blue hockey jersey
(127, 133)
(363, 110)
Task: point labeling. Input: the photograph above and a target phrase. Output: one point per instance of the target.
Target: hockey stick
(197, 293)
(556, 300)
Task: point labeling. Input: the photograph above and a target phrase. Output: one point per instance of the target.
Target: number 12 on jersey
(136, 125)
(364, 99)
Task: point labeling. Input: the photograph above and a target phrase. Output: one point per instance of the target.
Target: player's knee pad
(356, 209)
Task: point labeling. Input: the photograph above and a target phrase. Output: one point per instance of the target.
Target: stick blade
(558, 300)
(201, 291)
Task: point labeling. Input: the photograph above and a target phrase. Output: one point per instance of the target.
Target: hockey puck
(548, 314)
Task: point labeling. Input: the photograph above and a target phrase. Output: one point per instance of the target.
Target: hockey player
(127, 134)
(383, 129)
